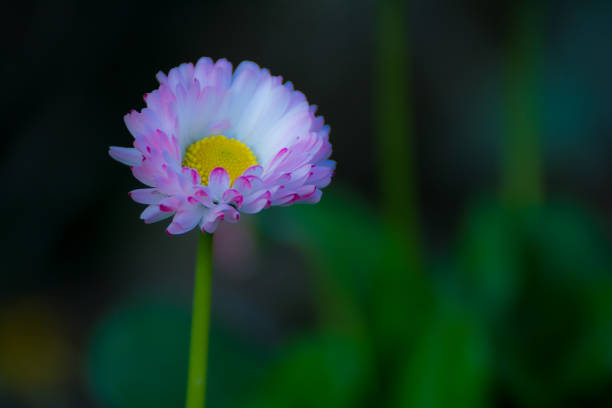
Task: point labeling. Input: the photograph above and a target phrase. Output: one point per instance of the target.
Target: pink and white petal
(277, 181)
(255, 206)
(211, 227)
(289, 128)
(243, 185)
(126, 155)
(153, 214)
(219, 127)
(313, 199)
(145, 175)
(170, 182)
(256, 170)
(327, 163)
(254, 108)
(323, 152)
(137, 124)
(317, 124)
(322, 182)
(232, 196)
(304, 192)
(286, 200)
(256, 183)
(192, 175)
(218, 182)
(244, 83)
(274, 107)
(276, 161)
(231, 215)
(298, 102)
(171, 204)
(202, 70)
(161, 77)
(299, 176)
(221, 75)
(147, 196)
(212, 217)
(185, 221)
(321, 175)
(202, 197)
(180, 76)
(172, 162)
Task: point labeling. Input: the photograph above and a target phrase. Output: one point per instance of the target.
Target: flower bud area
(219, 151)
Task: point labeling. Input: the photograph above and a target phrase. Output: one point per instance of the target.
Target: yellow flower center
(219, 151)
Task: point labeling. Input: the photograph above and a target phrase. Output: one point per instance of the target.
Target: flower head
(212, 144)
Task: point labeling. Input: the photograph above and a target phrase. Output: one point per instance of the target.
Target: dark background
(503, 305)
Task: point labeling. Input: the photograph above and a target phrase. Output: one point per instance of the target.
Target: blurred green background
(460, 258)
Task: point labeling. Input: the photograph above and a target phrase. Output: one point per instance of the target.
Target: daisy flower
(212, 143)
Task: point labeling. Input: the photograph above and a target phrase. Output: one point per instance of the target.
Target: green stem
(198, 354)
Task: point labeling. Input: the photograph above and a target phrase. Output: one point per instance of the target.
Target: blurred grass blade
(394, 124)
(136, 357)
(327, 370)
(450, 364)
(488, 258)
(521, 157)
